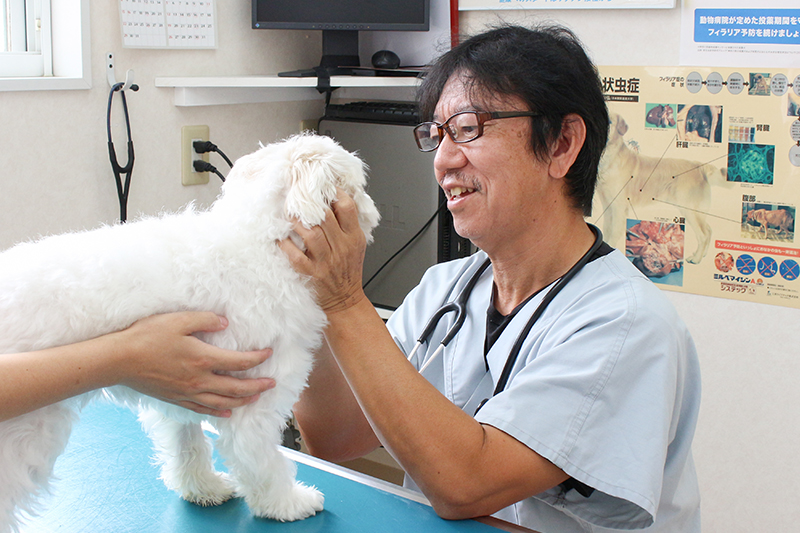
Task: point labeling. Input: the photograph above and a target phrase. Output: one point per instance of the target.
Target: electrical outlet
(189, 134)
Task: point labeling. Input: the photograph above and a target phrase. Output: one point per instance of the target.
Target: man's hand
(334, 255)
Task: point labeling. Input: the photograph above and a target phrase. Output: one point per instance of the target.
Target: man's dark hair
(549, 70)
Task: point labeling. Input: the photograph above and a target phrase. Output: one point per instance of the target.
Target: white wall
(746, 448)
(54, 168)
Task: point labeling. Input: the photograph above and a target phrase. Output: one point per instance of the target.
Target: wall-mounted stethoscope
(459, 306)
(127, 169)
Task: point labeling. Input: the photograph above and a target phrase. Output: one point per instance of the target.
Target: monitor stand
(339, 53)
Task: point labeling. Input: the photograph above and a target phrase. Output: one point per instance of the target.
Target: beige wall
(746, 447)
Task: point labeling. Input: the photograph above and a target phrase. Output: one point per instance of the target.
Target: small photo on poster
(699, 123)
(793, 107)
(661, 116)
(723, 262)
(768, 221)
(759, 84)
(751, 163)
(656, 249)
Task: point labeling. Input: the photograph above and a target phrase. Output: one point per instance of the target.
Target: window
(45, 45)
(26, 45)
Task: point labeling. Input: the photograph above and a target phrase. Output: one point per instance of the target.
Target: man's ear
(567, 146)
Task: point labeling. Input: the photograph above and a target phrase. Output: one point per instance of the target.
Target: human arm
(157, 356)
(328, 415)
(466, 469)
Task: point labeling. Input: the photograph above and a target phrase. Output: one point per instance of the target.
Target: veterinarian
(593, 429)
(157, 356)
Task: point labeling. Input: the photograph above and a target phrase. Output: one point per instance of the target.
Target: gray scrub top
(606, 387)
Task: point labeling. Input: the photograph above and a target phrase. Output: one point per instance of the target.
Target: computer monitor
(340, 22)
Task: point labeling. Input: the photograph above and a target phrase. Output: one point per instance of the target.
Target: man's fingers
(346, 212)
(297, 258)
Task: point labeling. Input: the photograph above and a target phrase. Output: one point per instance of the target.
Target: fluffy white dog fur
(77, 286)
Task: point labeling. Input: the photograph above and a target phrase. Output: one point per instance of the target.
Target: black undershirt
(497, 322)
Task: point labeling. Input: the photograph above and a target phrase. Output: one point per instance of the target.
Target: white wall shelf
(205, 91)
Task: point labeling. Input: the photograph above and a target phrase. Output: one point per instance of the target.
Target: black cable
(406, 245)
(201, 147)
(204, 166)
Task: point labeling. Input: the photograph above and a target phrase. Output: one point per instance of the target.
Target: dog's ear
(311, 188)
(368, 215)
(622, 126)
(318, 169)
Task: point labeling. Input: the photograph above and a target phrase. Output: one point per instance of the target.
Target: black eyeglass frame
(482, 116)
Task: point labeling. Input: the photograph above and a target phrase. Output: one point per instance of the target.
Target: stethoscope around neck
(459, 306)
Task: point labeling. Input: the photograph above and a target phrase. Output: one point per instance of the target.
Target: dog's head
(297, 179)
(617, 128)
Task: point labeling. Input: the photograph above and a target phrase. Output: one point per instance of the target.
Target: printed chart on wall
(700, 182)
(168, 23)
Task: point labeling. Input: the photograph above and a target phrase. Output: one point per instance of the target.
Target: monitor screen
(340, 22)
(400, 15)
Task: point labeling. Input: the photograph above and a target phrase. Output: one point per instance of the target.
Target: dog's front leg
(265, 478)
(185, 456)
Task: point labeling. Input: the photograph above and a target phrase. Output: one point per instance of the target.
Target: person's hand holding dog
(157, 356)
(174, 366)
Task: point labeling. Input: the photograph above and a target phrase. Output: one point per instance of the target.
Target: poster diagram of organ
(700, 180)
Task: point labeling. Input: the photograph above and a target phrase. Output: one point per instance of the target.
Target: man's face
(493, 183)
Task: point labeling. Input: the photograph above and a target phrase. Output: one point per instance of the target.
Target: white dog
(73, 287)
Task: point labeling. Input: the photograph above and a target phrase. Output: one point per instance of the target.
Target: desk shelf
(205, 91)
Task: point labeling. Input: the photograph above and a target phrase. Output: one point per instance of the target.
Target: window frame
(69, 48)
(28, 43)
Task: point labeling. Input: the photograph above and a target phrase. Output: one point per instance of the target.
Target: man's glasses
(462, 127)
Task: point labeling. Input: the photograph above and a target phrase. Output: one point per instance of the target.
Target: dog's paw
(208, 491)
(299, 503)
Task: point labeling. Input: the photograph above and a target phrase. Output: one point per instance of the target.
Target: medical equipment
(459, 306)
(127, 169)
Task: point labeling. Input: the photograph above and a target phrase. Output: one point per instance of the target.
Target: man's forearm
(330, 420)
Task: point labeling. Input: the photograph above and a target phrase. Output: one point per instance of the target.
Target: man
(590, 428)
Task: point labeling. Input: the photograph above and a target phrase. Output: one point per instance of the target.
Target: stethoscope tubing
(551, 294)
(459, 306)
(127, 169)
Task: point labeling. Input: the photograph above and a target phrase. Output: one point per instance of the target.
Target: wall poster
(478, 5)
(700, 182)
(728, 33)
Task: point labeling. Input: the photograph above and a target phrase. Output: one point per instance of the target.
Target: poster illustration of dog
(699, 181)
(629, 180)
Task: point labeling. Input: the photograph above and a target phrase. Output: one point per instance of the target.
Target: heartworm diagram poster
(700, 181)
